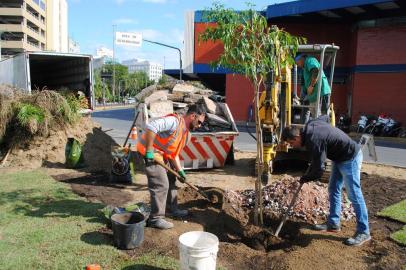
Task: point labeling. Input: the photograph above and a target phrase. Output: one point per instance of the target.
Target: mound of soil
(49, 151)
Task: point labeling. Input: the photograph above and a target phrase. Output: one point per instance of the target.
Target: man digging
(324, 141)
(165, 137)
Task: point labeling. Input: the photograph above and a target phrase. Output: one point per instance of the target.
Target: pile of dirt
(23, 115)
(49, 151)
(234, 222)
(34, 130)
(312, 204)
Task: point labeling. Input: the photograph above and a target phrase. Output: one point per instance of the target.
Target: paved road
(118, 121)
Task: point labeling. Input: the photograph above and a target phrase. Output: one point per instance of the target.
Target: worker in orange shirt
(167, 136)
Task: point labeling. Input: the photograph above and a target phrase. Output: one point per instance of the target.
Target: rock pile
(179, 96)
(311, 206)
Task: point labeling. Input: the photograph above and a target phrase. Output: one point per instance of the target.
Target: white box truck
(31, 71)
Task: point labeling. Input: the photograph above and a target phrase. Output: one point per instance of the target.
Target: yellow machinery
(278, 111)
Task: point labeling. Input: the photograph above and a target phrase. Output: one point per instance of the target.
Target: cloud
(125, 21)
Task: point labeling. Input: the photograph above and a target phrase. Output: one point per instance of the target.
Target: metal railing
(33, 29)
(33, 44)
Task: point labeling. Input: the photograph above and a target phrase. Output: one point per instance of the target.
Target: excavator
(280, 107)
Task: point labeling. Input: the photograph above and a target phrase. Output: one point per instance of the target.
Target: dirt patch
(302, 248)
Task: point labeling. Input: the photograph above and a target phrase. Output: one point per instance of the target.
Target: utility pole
(114, 62)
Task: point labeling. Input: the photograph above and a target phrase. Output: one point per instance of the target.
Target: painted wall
(380, 93)
(381, 45)
(239, 96)
(205, 52)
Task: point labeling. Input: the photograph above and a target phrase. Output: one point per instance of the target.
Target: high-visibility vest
(171, 146)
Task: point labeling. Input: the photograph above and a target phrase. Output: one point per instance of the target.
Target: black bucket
(128, 229)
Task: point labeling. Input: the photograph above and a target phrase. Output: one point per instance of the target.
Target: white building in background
(73, 46)
(103, 51)
(57, 26)
(153, 70)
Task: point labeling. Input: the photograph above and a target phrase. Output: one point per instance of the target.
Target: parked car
(130, 100)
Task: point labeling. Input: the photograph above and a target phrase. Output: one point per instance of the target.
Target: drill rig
(279, 107)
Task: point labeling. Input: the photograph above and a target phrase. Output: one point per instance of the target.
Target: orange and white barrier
(207, 151)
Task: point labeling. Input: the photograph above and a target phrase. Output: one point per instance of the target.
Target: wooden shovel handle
(172, 171)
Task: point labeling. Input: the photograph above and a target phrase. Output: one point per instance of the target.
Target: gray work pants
(162, 190)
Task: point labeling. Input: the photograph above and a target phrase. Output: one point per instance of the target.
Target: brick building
(370, 72)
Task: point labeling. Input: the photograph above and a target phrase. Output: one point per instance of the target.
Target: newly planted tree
(254, 49)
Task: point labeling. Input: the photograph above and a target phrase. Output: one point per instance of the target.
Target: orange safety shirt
(170, 146)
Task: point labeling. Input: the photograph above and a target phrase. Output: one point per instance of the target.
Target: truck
(30, 71)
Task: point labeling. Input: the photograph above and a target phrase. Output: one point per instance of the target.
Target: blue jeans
(348, 172)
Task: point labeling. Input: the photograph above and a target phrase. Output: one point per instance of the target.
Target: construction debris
(182, 95)
(312, 204)
(161, 95)
(160, 108)
(215, 120)
(183, 88)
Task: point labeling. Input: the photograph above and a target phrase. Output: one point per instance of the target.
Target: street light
(172, 47)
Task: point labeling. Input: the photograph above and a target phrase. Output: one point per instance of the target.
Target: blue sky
(90, 24)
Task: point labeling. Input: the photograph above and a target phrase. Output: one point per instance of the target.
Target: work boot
(178, 213)
(159, 223)
(358, 239)
(327, 227)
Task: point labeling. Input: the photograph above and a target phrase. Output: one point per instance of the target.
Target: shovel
(161, 163)
(285, 216)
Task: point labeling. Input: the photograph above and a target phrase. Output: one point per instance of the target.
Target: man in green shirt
(310, 70)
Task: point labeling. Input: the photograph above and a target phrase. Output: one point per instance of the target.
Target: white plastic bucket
(198, 250)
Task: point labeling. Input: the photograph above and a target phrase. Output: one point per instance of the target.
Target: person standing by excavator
(325, 141)
(165, 137)
(310, 71)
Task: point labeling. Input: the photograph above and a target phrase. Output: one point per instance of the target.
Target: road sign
(128, 39)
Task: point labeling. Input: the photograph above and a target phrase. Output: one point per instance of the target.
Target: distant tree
(121, 73)
(163, 80)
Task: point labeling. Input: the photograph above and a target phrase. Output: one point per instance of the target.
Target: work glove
(182, 175)
(149, 158)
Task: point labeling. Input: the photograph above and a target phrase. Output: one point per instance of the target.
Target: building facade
(153, 70)
(57, 25)
(370, 74)
(28, 25)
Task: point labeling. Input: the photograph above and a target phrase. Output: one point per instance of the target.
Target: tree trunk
(258, 211)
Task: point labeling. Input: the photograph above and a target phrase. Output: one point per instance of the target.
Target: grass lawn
(43, 225)
(396, 212)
